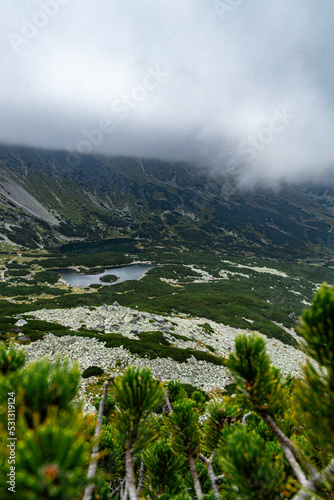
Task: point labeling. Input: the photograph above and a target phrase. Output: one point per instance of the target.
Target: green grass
(151, 344)
(154, 345)
(261, 297)
(207, 328)
(190, 389)
(92, 371)
(215, 302)
(50, 277)
(87, 260)
(181, 337)
(13, 291)
(16, 272)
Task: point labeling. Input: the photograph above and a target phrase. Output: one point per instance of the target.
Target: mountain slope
(45, 200)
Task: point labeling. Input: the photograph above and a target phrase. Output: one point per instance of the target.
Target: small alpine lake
(124, 273)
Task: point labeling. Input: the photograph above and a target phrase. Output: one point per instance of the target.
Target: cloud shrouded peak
(236, 85)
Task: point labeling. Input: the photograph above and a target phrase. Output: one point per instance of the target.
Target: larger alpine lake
(125, 273)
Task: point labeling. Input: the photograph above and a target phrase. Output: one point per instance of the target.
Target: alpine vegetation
(272, 439)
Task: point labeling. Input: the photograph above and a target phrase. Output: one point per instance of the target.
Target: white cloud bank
(243, 86)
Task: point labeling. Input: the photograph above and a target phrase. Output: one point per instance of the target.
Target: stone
(294, 318)
(122, 319)
(167, 337)
(21, 322)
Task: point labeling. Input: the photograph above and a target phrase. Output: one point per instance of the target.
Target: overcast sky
(245, 86)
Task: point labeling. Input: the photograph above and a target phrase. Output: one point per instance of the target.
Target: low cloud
(243, 88)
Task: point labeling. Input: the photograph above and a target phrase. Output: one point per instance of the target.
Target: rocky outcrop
(89, 351)
(129, 322)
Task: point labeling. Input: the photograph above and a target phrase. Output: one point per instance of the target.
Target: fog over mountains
(241, 87)
(45, 200)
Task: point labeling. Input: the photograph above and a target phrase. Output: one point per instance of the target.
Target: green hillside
(46, 201)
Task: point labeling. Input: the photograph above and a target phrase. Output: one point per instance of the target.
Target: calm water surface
(126, 273)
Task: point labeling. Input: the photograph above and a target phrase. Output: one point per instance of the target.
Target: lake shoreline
(79, 271)
(74, 276)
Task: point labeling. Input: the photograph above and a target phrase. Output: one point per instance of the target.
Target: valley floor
(181, 319)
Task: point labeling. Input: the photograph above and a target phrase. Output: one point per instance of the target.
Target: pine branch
(197, 484)
(282, 437)
(327, 475)
(219, 478)
(244, 418)
(320, 480)
(169, 406)
(118, 489)
(130, 474)
(290, 452)
(124, 494)
(94, 457)
(213, 478)
(141, 475)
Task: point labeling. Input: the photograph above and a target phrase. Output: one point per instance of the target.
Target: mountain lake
(125, 273)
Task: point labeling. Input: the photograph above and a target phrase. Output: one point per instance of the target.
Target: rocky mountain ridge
(45, 200)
